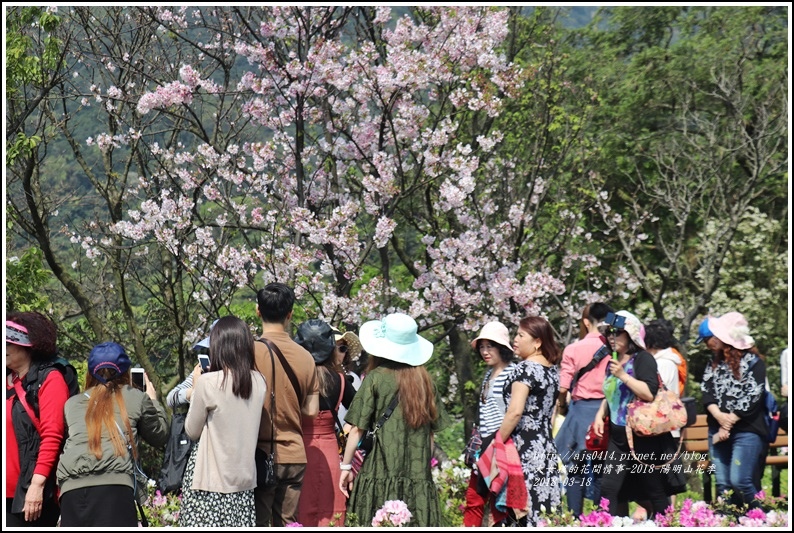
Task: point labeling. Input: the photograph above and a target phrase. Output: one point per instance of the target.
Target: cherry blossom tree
(351, 132)
(351, 152)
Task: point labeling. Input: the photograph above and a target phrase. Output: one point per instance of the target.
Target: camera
(137, 378)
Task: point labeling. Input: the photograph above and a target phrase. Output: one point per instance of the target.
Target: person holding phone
(346, 354)
(137, 378)
(178, 395)
(225, 412)
(178, 399)
(96, 469)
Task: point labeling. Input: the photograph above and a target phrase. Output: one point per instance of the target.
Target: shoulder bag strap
(387, 414)
(21, 396)
(272, 399)
(341, 390)
(133, 457)
(285, 365)
(602, 352)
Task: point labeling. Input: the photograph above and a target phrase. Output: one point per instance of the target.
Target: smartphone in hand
(204, 361)
(137, 378)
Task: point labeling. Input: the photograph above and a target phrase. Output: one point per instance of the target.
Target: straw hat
(352, 341)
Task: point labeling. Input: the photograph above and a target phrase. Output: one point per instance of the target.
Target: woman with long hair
(347, 353)
(633, 374)
(494, 346)
(398, 466)
(531, 394)
(226, 406)
(323, 505)
(96, 471)
(733, 394)
(35, 396)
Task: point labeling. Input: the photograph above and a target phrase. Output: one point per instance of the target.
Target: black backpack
(38, 373)
(177, 452)
(26, 427)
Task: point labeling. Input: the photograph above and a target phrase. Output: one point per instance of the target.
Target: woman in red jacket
(35, 396)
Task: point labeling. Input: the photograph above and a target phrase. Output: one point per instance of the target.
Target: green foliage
(25, 280)
(451, 478)
(451, 439)
(352, 520)
(22, 145)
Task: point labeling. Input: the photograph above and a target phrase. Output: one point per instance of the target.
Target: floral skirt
(201, 508)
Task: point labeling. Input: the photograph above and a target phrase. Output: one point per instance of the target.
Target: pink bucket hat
(495, 332)
(732, 329)
(634, 328)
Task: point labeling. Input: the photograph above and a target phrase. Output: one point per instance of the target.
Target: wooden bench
(696, 444)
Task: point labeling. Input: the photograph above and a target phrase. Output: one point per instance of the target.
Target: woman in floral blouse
(733, 392)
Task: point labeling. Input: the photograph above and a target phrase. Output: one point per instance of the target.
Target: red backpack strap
(21, 396)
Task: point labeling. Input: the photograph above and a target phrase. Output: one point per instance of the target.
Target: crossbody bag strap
(28, 409)
(285, 365)
(133, 457)
(272, 399)
(385, 416)
(602, 352)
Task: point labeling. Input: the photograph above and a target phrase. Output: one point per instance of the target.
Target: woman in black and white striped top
(493, 345)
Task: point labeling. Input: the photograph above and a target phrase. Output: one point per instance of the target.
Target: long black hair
(232, 352)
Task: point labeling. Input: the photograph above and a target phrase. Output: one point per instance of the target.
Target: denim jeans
(736, 462)
(570, 445)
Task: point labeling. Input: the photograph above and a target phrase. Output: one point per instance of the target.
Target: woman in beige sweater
(225, 410)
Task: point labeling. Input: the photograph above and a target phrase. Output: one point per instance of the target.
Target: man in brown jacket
(297, 395)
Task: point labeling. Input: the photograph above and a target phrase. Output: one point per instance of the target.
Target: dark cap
(317, 337)
(108, 355)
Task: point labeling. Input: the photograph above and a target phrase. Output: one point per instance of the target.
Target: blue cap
(108, 355)
(703, 331)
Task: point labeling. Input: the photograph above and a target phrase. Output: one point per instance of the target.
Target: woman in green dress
(398, 466)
